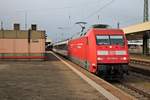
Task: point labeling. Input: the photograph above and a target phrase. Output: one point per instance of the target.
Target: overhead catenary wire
(101, 8)
(97, 11)
(59, 8)
(131, 20)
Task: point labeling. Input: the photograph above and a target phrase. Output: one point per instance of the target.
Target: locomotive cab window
(102, 39)
(116, 40)
(109, 40)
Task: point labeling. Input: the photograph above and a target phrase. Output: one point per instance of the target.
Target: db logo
(112, 52)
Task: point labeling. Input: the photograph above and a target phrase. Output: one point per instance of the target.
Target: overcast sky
(49, 15)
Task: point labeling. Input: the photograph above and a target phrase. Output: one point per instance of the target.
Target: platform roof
(137, 28)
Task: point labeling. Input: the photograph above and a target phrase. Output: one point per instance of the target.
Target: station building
(138, 38)
(22, 44)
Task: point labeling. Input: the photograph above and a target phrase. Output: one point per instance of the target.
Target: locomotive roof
(101, 26)
(94, 27)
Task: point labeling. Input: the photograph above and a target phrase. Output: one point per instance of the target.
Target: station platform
(49, 80)
(52, 80)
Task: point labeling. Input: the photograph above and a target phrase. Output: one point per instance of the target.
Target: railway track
(136, 90)
(133, 91)
(140, 61)
(140, 66)
(133, 86)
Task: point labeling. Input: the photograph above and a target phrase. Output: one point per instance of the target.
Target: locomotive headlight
(124, 58)
(93, 64)
(102, 52)
(123, 52)
(99, 58)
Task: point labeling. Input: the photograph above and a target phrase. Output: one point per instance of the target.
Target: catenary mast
(146, 15)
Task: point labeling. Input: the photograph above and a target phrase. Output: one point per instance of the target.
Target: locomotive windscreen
(109, 40)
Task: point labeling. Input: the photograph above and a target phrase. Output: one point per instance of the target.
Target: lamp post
(61, 28)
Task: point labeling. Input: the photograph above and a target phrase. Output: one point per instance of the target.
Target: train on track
(100, 50)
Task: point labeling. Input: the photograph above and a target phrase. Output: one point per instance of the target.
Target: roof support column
(146, 43)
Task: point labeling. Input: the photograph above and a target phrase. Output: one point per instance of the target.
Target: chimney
(16, 26)
(33, 27)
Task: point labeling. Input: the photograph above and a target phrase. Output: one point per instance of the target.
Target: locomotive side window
(102, 39)
(109, 39)
(116, 40)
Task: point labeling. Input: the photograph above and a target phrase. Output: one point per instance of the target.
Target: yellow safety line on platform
(100, 89)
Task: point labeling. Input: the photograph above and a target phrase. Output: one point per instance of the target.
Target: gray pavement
(48, 80)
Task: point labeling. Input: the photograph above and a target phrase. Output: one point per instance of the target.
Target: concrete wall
(22, 45)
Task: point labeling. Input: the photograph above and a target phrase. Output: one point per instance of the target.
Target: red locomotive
(101, 51)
